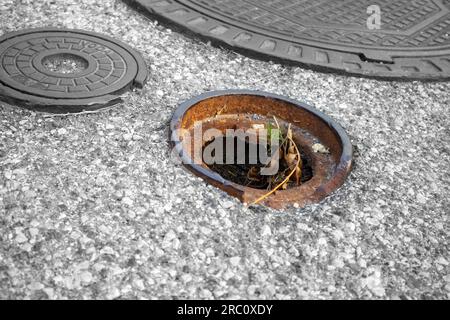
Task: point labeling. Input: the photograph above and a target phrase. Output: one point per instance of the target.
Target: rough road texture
(91, 206)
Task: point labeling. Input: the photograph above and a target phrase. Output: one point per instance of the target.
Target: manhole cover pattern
(111, 67)
(339, 22)
(413, 42)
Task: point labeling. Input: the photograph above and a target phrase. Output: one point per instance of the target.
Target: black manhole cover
(58, 70)
(412, 41)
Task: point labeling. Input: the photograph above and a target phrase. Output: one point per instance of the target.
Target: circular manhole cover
(220, 136)
(389, 39)
(59, 70)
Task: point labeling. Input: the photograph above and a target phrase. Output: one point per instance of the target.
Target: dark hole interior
(238, 173)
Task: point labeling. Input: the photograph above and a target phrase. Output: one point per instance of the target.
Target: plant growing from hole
(264, 157)
(288, 152)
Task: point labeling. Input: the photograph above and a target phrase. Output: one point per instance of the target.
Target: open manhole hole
(262, 147)
(245, 171)
(61, 70)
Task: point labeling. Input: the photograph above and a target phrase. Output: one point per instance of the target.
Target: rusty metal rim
(341, 171)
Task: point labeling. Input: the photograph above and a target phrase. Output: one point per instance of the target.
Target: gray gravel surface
(91, 206)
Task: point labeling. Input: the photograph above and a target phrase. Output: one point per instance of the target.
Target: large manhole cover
(390, 39)
(58, 70)
(222, 137)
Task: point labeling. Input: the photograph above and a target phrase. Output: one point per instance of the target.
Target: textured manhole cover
(58, 70)
(412, 41)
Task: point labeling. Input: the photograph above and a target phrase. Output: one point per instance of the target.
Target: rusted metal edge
(341, 172)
